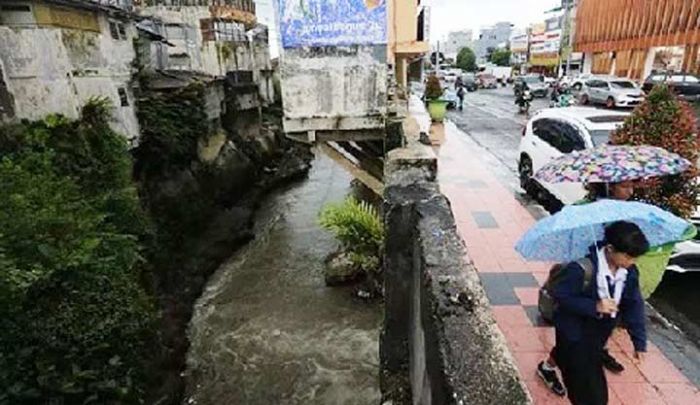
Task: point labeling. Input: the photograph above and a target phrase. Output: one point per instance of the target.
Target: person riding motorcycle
(561, 96)
(523, 97)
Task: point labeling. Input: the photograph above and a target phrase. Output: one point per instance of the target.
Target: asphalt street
(490, 118)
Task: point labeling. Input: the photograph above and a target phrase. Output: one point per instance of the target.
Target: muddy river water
(267, 330)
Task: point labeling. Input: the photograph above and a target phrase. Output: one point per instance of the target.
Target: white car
(686, 255)
(611, 91)
(556, 131)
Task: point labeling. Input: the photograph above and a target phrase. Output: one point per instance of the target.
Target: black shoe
(551, 379)
(611, 364)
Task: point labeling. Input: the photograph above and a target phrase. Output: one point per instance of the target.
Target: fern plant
(358, 228)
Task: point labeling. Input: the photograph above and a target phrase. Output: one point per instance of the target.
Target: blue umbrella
(567, 235)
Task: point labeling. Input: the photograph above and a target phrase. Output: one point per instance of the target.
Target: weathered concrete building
(56, 55)
(214, 38)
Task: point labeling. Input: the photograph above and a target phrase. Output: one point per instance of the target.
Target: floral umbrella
(612, 164)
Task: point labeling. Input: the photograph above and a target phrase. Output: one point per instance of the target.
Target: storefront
(633, 40)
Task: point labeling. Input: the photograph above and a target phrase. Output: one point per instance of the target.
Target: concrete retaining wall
(439, 344)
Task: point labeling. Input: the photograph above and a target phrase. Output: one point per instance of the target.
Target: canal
(267, 330)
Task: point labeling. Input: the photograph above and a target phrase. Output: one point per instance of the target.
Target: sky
(457, 15)
(448, 15)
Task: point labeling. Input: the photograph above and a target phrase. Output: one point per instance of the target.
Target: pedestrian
(585, 318)
(547, 369)
(460, 95)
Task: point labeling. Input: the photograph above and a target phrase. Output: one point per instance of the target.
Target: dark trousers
(582, 370)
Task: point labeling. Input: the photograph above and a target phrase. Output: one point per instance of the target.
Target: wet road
(491, 119)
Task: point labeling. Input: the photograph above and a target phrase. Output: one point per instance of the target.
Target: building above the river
(55, 55)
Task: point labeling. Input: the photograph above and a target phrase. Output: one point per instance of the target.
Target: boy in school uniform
(584, 319)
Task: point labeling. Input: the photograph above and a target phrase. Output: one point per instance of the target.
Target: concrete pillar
(649, 63)
(587, 63)
(401, 72)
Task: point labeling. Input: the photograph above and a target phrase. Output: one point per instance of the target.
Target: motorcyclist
(520, 93)
(523, 98)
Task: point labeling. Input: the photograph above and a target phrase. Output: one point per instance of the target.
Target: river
(267, 330)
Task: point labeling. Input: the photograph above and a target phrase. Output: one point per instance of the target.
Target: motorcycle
(564, 100)
(523, 101)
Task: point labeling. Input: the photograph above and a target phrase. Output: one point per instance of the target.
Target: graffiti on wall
(332, 22)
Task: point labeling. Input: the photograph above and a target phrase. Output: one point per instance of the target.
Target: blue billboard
(332, 22)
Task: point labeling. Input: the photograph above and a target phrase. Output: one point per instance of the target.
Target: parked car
(686, 255)
(578, 82)
(469, 82)
(537, 86)
(487, 81)
(556, 131)
(549, 81)
(613, 92)
(686, 85)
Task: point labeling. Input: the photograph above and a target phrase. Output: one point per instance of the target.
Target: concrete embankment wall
(440, 343)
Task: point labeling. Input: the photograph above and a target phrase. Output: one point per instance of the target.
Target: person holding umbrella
(585, 319)
(609, 172)
(546, 369)
(600, 242)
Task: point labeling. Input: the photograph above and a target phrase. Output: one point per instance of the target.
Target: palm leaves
(356, 224)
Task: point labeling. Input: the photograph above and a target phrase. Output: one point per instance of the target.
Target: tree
(500, 57)
(466, 60)
(665, 121)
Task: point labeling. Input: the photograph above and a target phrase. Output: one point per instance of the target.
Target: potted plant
(437, 108)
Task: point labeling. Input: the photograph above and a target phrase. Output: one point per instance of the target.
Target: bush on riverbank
(75, 321)
(360, 231)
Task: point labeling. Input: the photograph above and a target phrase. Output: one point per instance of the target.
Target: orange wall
(613, 25)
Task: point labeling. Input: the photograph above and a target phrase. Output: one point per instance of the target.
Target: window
(117, 30)
(623, 84)
(600, 136)
(123, 98)
(691, 79)
(19, 8)
(569, 138)
(544, 130)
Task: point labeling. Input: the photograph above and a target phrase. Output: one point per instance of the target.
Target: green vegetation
(359, 229)
(500, 57)
(75, 321)
(665, 121)
(466, 60)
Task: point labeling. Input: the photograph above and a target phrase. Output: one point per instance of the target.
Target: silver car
(611, 91)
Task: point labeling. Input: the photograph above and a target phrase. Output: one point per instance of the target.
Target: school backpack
(546, 303)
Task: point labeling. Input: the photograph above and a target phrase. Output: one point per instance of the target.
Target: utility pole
(569, 5)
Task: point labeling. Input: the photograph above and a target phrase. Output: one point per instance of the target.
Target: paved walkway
(490, 220)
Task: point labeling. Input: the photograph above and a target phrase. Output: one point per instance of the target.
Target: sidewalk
(490, 220)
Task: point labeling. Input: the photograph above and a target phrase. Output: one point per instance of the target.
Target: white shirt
(605, 278)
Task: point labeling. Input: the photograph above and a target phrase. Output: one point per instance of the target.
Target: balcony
(242, 11)
(410, 44)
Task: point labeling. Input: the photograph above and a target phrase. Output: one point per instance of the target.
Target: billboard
(332, 22)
